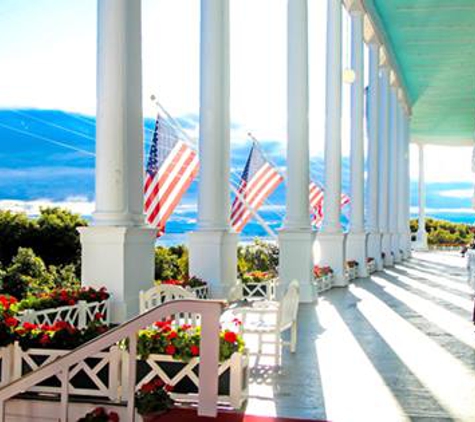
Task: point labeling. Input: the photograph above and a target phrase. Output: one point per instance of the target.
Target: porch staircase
(17, 405)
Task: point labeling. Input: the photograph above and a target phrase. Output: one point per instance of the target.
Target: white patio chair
(269, 319)
(164, 293)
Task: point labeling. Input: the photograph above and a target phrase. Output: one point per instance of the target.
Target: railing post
(132, 377)
(82, 314)
(64, 395)
(209, 361)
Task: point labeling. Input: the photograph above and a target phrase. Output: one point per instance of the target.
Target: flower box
(262, 290)
(96, 376)
(183, 377)
(324, 282)
(371, 266)
(78, 315)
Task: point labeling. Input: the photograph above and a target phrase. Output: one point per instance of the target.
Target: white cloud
(79, 205)
(457, 193)
(415, 210)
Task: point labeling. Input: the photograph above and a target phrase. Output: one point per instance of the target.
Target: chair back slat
(157, 295)
(289, 306)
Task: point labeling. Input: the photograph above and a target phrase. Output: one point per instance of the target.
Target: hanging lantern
(349, 76)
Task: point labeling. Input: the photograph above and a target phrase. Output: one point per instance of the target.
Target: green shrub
(166, 264)
(52, 235)
(258, 256)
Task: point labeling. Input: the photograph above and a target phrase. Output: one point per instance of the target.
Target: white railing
(79, 315)
(260, 290)
(201, 292)
(210, 312)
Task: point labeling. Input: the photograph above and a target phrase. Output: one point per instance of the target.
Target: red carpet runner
(186, 415)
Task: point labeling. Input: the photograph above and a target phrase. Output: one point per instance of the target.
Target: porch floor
(399, 346)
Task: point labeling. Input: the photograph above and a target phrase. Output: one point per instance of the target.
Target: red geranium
(170, 350)
(11, 322)
(194, 350)
(230, 336)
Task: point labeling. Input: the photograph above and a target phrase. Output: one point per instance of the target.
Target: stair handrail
(210, 311)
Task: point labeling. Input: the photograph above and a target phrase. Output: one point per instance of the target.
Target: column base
(213, 257)
(296, 263)
(386, 250)
(356, 250)
(122, 260)
(374, 249)
(421, 244)
(395, 248)
(408, 244)
(329, 249)
(403, 246)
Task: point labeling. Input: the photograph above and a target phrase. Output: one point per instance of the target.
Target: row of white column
(117, 249)
(386, 228)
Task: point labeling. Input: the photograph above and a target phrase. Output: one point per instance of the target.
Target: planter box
(79, 315)
(183, 377)
(324, 283)
(352, 273)
(201, 292)
(371, 267)
(96, 376)
(265, 290)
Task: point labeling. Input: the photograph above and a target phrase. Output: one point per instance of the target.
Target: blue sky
(48, 62)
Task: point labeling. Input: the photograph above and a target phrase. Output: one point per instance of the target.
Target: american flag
(172, 165)
(316, 203)
(259, 179)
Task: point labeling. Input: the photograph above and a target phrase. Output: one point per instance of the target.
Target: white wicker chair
(269, 319)
(162, 293)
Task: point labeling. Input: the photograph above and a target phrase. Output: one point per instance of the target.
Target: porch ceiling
(433, 42)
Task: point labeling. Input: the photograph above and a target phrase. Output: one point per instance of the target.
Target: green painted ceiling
(433, 43)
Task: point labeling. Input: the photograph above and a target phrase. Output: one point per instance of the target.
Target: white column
(393, 171)
(356, 239)
(329, 248)
(372, 198)
(383, 137)
(213, 246)
(401, 181)
(117, 250)
(296, 238)
(407, 185)
(421, 233)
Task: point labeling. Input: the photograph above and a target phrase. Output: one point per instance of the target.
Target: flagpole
(259, 219)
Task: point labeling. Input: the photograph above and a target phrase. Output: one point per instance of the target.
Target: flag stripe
(273, 184)
(162, 176)
(168, 188)
(183, 184)
(250, 190)
(253, 191)
(171, 168)
(258, 180)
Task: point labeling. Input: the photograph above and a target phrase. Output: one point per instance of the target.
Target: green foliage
(171, 263)
(57, 236)
(153, 398)
(258, 256)
(442, 232)
(53, 236)
(27, 274)
(166, 264)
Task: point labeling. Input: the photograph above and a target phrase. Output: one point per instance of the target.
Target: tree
(166, 264)
(57, 239)
(27, 273)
